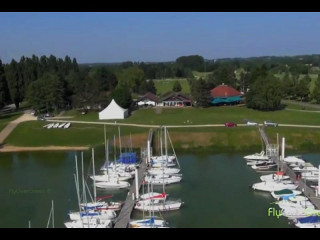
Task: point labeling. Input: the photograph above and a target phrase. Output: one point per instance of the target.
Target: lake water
(215, 190)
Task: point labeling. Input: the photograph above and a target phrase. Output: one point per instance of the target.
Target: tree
(265, 94)
(15, 83)
(302, 89)
(46, 93)
(4, 91)
(316, 90)
(122, 95)
(176, 86)
(201, 93)
(194, 62)
(151, 87)
(131, 77)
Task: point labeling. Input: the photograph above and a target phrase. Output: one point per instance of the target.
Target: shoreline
(10, 148)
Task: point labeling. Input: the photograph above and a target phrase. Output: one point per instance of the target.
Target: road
(178, 126)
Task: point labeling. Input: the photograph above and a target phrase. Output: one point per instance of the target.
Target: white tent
(113, 111)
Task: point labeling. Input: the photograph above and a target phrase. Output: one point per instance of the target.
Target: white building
(113, 111)
(149, 99)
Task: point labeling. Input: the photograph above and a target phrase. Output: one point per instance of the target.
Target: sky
(153, 37)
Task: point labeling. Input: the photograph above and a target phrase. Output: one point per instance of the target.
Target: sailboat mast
(77, 179)
(165, 142)
(52, 214)
(114, 148)
(107, 152)
(83, 185)
(94, 178)
(130, 143)
(161, 152)
(105, 147)
(119, 139)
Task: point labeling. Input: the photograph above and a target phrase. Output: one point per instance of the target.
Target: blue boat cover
(148, 221)
(287, 197)
(90, 214)
(311, 219)
(128, 158)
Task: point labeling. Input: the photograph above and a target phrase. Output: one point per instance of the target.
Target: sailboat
(88, 217)
(111, 172)
(165, 160)
(157, 202)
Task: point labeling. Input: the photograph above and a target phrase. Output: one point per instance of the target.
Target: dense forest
(52, 84)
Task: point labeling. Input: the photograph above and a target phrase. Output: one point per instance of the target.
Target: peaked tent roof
(113, 111)
(112, 105)
(223, 91)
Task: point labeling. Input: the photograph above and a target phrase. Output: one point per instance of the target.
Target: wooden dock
(123, 219)
(302, 186)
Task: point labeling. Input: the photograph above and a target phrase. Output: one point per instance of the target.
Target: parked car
(41, 118)
(270, 123)
(230, 124)
(49, 115)
(251, 123)
(84, 112)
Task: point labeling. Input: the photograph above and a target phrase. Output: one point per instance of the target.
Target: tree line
(50, 83)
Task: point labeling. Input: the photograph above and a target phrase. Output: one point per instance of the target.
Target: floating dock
(124, 216)
(302, 186)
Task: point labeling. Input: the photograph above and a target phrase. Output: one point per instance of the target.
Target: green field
(6, 118)
(198, 75)
(35, 135)
(166, 85)
(298, 107)
(313, 77)
(211, 115)
(212, 139)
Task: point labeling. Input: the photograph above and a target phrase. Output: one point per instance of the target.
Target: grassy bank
(6, 118)
(34, 135)
(218, 139)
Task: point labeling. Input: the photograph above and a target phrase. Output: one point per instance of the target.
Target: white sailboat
(87, 216)
(293, 159)
(61, 125)
(257, 156)
(164, 170)
(274, 176)
(271, 186)
(285, 193)
(158, 205)
(67, 125)
(163, 179)
(50, 125)
(89, 223)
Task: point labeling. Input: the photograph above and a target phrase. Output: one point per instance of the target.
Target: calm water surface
(215, 190)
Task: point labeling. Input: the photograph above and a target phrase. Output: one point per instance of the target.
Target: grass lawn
(215, 139)
(198, 75)
(6, 118)
(35, 135)
(165, 85)
(298, 107)
(211, 115)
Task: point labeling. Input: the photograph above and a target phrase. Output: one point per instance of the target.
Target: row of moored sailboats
(295, 207)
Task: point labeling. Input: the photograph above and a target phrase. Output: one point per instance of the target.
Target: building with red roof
(224, 94)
